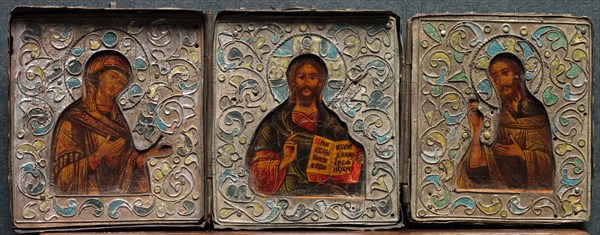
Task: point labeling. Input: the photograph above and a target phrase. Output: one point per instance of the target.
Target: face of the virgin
(503, 78)
(307, 79)
(111, 82)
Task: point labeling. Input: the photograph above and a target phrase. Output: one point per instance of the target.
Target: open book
(332, 160)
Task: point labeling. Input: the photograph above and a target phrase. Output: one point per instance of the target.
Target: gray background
(405, 9)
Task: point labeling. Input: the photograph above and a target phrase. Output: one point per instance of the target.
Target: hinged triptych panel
(306, 117)
(304, 128)
(106, 119)
(501, 119)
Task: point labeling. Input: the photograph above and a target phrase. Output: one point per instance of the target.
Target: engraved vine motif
(455, 58)
(251, 61)
(160, 104)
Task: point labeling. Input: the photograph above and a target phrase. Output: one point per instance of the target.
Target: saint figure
(279, 154)
(93, 152)
(521, 156)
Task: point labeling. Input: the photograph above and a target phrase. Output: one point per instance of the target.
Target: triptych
(283, 119)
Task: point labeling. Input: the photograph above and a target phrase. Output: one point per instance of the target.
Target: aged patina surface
(501, 113)
(107, 113)
(305, 129)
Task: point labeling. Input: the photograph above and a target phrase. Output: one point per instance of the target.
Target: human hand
(290, 152)
(360, 158)
(110, 148)
(512, 149)
(475, 118)
(157, 151)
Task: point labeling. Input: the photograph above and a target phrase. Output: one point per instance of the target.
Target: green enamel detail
(549, 97)
(432, 32)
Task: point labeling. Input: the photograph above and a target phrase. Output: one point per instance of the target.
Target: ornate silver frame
(446, 51)
(165, 49)
(244, 43)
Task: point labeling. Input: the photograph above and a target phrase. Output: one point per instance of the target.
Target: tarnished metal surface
(260, 140)
(106, 110)
(492, 142)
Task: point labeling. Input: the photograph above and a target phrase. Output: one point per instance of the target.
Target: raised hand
(290, 152)
(476, 157)
(157, 151)
(475, 117)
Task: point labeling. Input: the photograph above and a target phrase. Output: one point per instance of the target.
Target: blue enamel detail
(285, 50)
(110, 39)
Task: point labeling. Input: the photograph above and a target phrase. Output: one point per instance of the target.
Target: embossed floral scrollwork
(160, 33)
(32, 181)
(172, 112)
(556, 67)
(42, 80)
(376, 126)
(232, 122)
(171, 182)
(231, 56)
(253, 56)
(371, 68)
(52, 54)
(573, 79)
(96, 205)
(250, 89)
(230, 185)
(459, 34)
(38, 115)
(433, 147)
(435, 195)
(57, 36)
(567, 123)
(467, 202)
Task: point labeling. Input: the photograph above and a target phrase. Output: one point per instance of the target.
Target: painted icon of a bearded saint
(521, 156)
(302, 148)
(93, 152)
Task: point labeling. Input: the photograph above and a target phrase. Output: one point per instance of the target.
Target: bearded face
(307, 80)
(503, 78)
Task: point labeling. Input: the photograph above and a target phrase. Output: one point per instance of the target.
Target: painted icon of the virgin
(93, 152)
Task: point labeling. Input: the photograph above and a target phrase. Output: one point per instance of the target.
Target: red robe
(265, 154)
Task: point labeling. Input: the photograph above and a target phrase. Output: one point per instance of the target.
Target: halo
(120, 42)
(485, 91)
(297, 45)
(518, 46)
(114, 40)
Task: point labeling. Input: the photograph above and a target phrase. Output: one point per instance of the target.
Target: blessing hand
(290, 152)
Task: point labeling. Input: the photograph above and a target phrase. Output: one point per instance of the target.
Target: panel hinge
(408, 53)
